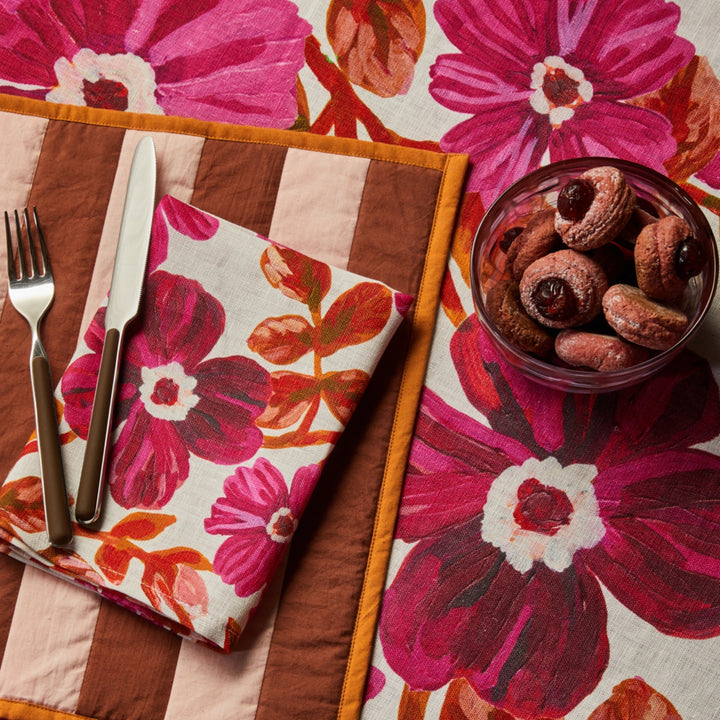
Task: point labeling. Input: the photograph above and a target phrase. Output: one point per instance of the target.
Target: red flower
(172, 402)
(516, 523)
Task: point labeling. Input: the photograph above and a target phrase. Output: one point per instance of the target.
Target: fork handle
(57, 514)
(92, 475)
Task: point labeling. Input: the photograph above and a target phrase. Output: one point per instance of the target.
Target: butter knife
(123, 305)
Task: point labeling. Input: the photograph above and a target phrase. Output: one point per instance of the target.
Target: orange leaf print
(634, 699)
(171, 578)
(296, 276)
(463, 703)
(356, 316)
(413, 704)
(233, 631)
(71, 562)
(113, 562)
(292, 394)
(342, 392)
(282, 340)
(378, 42)
(691, 101)
(184, 556)
(22, 505)
(142, 525)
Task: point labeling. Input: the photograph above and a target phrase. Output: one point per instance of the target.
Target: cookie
(563, 289)
(537, 239)
(594, 208)
(641, 320)
(604, 353)
(667, 255)
(507, 313)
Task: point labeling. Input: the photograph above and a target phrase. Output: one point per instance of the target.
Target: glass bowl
(540, 189)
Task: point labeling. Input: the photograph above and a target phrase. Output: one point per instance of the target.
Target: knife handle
(57, 514)
(89, 496)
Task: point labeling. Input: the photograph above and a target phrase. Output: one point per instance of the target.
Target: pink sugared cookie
(594, 208)
(640, 320)
(604, 353)
(563, 289)
(667, 255)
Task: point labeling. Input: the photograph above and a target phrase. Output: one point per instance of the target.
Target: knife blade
(123, 305)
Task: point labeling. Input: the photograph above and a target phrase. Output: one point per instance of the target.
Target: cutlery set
(31, 290)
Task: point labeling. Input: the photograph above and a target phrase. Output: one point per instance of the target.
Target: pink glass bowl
(540, 188)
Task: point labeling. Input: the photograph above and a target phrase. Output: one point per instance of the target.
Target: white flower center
(167, 392)
(559, 89)
(541, 511)
(282, 525)
(118, 82)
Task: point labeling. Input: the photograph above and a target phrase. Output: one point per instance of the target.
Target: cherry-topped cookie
(593, 208)
(563, 289)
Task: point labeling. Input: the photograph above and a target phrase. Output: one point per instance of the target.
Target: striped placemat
(381, 211)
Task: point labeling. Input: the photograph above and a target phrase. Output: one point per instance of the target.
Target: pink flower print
(187, 220)
(260, 515)
(218, 60)
(553, 75)
(172, 401)
(517, 521)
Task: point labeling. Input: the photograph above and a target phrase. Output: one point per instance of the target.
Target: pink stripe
(178, 157)
(49, 641)
(20, 145)
(317, 204)
(315, 212)
(205, 678)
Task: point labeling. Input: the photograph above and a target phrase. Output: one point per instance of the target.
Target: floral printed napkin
(240, 374)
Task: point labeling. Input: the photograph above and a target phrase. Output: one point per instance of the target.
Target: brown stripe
(72, 185)
(11, 572)
(394, 224)
(239, 182)
(327, 562)
(130, 668)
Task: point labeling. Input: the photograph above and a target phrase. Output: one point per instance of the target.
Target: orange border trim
(426, 308)
(19, 710)
(225, 131)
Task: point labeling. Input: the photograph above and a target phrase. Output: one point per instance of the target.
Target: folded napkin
(239, 375)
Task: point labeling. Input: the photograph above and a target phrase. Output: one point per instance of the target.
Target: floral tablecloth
(485, 614)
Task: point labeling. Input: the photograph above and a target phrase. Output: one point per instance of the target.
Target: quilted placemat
(382, 212)
(235, 385)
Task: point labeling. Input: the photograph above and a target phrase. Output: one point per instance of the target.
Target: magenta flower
(516, 523)
(212, 60)
(539, 75)
(260, 515)
(171, 400)
(186, 219)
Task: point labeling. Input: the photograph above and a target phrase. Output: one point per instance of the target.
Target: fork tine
(43, 247)
(32, 250)
(21, 256)
(12, 272)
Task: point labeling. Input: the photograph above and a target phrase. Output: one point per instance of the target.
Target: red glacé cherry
(575, 199)
(690, 258)
(554, 299)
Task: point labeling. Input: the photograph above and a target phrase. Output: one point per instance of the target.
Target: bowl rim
(575, 378)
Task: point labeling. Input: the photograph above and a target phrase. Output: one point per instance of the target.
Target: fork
(32, 293)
